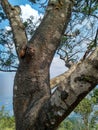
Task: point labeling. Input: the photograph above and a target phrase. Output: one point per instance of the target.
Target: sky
(7, 78)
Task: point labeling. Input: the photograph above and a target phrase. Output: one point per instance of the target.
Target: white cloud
(27, 11)
(8, 28)
(57, 67)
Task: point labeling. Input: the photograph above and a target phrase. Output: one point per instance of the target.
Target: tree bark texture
(35, 108)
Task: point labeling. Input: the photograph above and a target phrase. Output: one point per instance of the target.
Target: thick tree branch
(48, 35)
(77, 83)
(57, 80)
(18, 28)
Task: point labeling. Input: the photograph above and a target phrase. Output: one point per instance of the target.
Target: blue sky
(6, 79)
(24, 2)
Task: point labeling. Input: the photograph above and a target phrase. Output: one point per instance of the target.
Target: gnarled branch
(74, 85)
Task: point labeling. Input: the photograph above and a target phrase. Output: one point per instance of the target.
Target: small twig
(7, 70)
(90, 47)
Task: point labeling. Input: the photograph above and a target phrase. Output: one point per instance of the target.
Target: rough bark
(12, 13)
(78, 82)
(35, 108)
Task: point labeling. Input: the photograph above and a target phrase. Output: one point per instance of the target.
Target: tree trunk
(32, 80)
(35, 108)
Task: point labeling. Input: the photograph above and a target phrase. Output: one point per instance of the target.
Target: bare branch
(7, 70)
(18, 28)
(94, 16)
(91, 46)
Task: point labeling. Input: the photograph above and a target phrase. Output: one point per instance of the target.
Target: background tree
(66, 125)
(7, 122)
(86, 114)
(71, 123)
(32, 93)
(86, 110)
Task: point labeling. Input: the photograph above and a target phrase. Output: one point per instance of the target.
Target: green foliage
(66, 125)
(71, 124)
(85, 107)
(94, 120)
(25, 24)
(95, 95)
(6, 121)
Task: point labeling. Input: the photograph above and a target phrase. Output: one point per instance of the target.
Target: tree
(6, 121)
(71, 123)
(66, 125)
(86, 110)
(35, 108)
